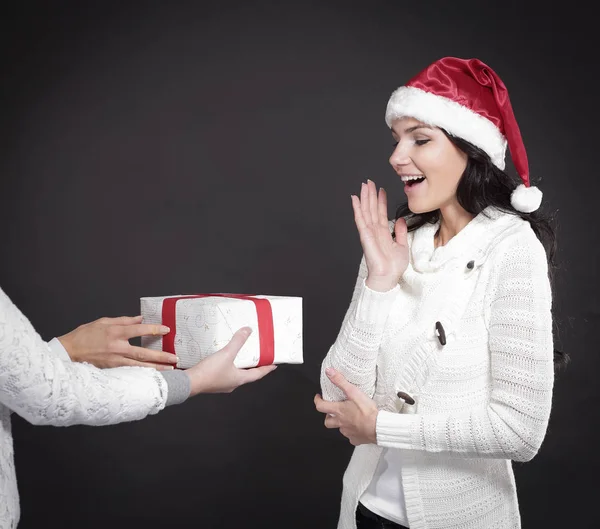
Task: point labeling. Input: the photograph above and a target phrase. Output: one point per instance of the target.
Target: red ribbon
(265, 324)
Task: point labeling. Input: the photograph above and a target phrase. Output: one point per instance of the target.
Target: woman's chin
(418, 207)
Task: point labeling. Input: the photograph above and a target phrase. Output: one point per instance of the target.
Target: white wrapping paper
(205, 325)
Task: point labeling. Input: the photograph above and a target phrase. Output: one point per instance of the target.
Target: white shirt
(385, 494)
(59, 350)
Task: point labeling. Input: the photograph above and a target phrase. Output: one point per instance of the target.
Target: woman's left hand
(355, 417)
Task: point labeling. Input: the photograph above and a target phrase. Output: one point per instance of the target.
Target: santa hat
(468, 99)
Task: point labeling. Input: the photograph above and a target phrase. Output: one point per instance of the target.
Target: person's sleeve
(354, 352)
(37, 385)
(59, 350)
(178, 386)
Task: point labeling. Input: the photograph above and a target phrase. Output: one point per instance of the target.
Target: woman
(45, 388)
(442, 372)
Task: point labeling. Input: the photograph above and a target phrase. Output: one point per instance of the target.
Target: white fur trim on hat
(526, 199)
(458, 120)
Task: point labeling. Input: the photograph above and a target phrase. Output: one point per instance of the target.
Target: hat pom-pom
(526, 199)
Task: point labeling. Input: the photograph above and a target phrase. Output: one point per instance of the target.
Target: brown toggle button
(406, 397)
(440, 333)
(471, 265)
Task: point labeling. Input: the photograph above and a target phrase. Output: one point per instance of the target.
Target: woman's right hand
(386, 258)
(217, 373)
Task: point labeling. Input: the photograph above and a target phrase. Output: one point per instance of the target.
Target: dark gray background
(155, 148)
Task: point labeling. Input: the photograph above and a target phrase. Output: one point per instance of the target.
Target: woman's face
(429, 164)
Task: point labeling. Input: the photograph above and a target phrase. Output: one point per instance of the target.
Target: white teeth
(406, 178)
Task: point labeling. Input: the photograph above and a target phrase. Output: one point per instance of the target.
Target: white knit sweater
(482, 400)
(41, 388)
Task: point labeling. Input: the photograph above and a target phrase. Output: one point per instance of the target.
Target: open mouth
(412, 180)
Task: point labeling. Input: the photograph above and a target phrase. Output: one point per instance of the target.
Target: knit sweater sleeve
(354, 353)
(40, 387)
(513, 423)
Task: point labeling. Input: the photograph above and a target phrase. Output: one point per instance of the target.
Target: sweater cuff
(178, 386)
(59, 350)
(394, 430)
(373, 307)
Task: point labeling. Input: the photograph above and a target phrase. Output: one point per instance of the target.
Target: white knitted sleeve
(514, 422)
(354, 353)
(41, 388)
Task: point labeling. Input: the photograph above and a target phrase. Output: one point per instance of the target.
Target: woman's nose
(399, 157)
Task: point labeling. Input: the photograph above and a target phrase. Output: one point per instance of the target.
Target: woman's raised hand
(386, 258)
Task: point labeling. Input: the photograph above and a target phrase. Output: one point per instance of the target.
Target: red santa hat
(468, 99)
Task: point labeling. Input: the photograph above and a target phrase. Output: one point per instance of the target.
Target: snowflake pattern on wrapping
(205, 325)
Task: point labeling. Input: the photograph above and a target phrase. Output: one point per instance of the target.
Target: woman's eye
(422, 142)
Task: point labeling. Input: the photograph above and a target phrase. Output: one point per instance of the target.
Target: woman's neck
(453, 218)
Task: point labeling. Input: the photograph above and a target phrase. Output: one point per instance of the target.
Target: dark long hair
(481, 185)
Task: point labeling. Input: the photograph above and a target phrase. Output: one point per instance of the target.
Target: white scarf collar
(472, 243)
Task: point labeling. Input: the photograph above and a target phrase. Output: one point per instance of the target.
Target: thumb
(237, 342)
(400, 231)
(340, 381)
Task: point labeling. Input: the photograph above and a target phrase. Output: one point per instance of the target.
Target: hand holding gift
(217, 372)
(105, 343)
(202, 324)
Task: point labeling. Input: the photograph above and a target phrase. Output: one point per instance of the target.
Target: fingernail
(330, 371)
(175, 360)
(164, 329)
(247, 331)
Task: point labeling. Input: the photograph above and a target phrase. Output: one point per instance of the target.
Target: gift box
(202, 324)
